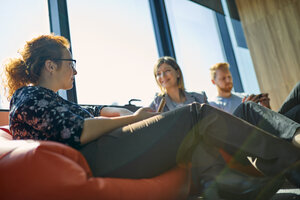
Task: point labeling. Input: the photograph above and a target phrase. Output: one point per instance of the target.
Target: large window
(242, 55)
(20, 21)
(113, 42)
(196, 41)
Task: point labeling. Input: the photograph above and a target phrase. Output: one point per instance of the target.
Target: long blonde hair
(172, 62)
(26, 70)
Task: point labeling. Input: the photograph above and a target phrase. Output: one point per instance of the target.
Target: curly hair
(26, 70)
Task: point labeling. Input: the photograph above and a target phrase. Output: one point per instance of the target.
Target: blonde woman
(169, 79)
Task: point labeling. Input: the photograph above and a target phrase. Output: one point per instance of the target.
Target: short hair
(218, 66)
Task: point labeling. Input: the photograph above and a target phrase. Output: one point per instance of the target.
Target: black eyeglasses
(73, 65)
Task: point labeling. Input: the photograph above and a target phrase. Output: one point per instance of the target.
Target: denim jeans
(291, 106)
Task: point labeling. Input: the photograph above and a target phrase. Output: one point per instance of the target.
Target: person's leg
(207, 165)
(224, 130)
(147, 148)
(266, 119)
(276, 124)
(152, 146)
(293, 113)
(143, 149)
(291, 101)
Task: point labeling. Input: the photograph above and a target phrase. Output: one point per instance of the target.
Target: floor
(287, 192)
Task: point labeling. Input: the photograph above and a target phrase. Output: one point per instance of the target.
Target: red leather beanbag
(49, 170)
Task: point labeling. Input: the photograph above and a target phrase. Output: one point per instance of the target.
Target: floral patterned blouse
(40, 114)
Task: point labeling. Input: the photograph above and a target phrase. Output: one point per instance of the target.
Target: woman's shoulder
(33, 90)
(199, 95)
(30, 93)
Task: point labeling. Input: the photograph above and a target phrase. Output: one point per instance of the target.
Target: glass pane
(197, 43)
(243, 58)
(20, 21)
(113, 42)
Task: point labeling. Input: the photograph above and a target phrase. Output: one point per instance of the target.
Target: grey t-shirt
(170, 105)
(228, 104)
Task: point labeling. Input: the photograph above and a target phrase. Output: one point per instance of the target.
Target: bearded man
(226, 99)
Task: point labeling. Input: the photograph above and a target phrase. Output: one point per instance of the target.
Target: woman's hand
(144, 113)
